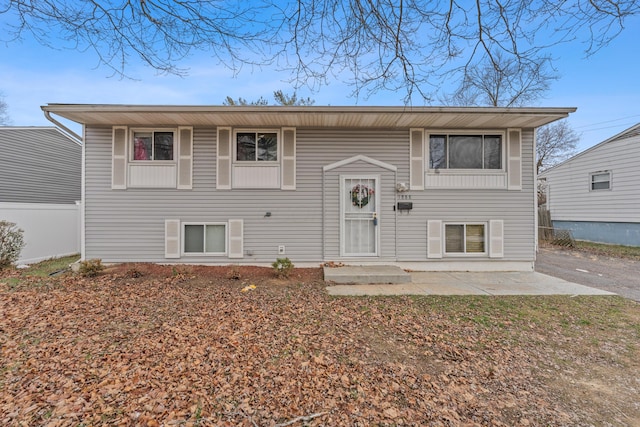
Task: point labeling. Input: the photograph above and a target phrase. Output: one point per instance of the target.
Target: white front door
(360, 221)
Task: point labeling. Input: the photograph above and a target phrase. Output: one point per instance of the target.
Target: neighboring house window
(205, 239)
(153, 145)
(256, 146)
(464, 239)
(465, 151)
(600, 181)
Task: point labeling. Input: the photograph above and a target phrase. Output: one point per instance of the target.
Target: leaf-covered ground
(157, 345)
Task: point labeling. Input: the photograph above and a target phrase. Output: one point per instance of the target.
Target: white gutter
(47, 114)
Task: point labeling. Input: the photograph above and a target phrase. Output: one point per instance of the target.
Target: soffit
(309, 117)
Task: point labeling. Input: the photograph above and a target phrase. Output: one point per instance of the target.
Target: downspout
(535, 200)
(83, 189)
(74, 135)
(395, 213)
(47, 114)
(323, 217)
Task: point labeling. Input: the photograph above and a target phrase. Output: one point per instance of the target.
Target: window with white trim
(465, 238)
(600, 181)
(257, 158)
(152, 158)
(204, 238)
(153, 145)
(256, 146)
(466, 151)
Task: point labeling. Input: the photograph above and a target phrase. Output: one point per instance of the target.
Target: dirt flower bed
(159, 345)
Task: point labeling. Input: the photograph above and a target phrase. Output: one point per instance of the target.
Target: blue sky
(605, 87)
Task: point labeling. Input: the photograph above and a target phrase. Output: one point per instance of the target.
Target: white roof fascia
(588, 150)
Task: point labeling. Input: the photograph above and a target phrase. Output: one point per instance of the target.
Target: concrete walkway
(463, 283)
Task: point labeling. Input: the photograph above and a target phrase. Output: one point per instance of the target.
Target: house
(595, 194)
(430, 188)
(40, 183)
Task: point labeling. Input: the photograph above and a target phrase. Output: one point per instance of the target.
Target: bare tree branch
(5, 120)
(413, 46)
(280, 98)
(503, 82)
(555, 143)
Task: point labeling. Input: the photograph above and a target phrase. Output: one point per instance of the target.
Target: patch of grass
(45, 268)
(604, 313)
(11, 282)
(37, 276)
(365, 309)
(482, 320)
(631, 252)
(197, 415)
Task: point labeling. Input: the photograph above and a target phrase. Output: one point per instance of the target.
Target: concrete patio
(354, 280)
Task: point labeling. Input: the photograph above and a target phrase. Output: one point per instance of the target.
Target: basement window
(205, 239)
(464, 239)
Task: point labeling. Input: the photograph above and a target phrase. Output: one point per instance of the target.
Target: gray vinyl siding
(570, 198)
(128, 225)
(514, 207)
(325, 147)
(39, 165)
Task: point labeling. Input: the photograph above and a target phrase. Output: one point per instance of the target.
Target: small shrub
(282, 267)
(134, 273)
(11, 243)
(234, 273)
(91, 268)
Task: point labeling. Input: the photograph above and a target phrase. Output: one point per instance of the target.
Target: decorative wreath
(360, 195)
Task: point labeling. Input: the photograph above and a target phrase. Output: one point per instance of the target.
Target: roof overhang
(311, 117)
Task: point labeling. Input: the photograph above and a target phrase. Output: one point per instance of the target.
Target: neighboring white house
(40, 185)
(596, 193)
(430, 188)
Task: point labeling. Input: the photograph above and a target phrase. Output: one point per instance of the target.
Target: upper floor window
(473, 151)
(600, 181)
(153, 145)
(256, 146)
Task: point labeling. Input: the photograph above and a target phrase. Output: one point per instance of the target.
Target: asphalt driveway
(617, 275)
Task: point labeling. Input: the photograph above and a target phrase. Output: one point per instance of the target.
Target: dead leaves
(200, 347)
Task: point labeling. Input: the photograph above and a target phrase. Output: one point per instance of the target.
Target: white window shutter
(288, 169)
(434, 239)
(172, 238)
(185, 158)
(416, 155)
(496, 238)
(236, 237)
(119, 158)
(514, 156)
(223, 159)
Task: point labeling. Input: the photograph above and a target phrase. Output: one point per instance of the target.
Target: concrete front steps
(366, 274)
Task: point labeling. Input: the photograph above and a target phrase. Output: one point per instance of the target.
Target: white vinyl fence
(50, 231)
